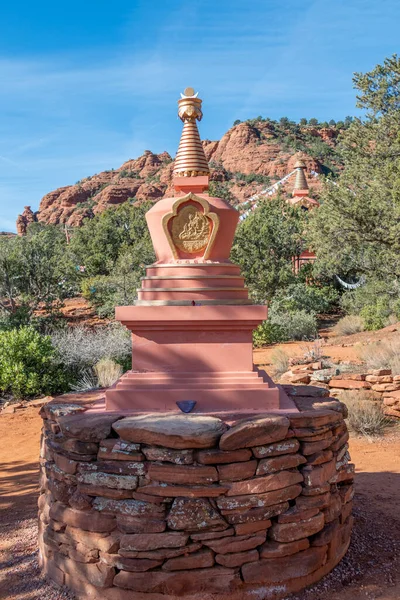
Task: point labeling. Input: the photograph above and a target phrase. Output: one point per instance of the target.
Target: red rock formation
(244, 149)
(28, 216)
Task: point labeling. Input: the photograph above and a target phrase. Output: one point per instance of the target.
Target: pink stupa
(193, 321)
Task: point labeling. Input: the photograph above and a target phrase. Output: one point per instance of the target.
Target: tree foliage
(357, 228)
(264, 245)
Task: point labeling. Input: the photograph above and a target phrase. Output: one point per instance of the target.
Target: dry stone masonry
(161, 507)
(380, 384)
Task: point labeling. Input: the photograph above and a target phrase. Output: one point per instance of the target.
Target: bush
(267, 333)
(301, 296)
(376, 302)
(81, 348)
(365, 416)
(349, 325)
(107, 372)
(384, 354)
(280, 361)
(296, 325)
(375, 317)
(30, 365)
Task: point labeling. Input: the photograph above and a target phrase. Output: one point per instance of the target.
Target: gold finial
(190, 159)
(301, 181)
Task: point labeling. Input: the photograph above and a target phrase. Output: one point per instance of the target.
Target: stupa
(301, 197)
(246, 497)
(193, 321)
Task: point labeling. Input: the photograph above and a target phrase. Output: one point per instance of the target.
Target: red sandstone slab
(173, 491)
(89, 426)
(274, 570)
(176, 474)
(237, 543)
(290, 532)
(269, 483)
(252, 527)
(316, 476)
(199, 560)
(88, 520)
(237, 559)
(276, 449)
(237, 471)
(213, 457)
(132, 508)
(173, 431)
(140, 524)
(112, 449)
(216, 579)
(319, 501)
(349, 384)
(195, 514)
(279, 463)
(142, 542)
(235, 503)
(105, 492)
(255, 432)
(255, 514)
(177, 457)
(273, 549)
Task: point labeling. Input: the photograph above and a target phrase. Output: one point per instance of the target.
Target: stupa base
(207, 392)
(194, 507)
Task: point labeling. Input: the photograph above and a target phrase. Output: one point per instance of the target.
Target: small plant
(312, 353)
(365, 416)
(86, 382)
(280, 361)
(30, 365)
(382, 355)
(349, 325)
(81, 348)
(267, 333)
(108, 372)
(296, 325)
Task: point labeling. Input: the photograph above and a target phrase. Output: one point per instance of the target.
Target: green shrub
(29, 364)
(282, 327)
(267, 333)
(296, 325)
(374, 316)
(375, 302)
(300, 296)
(349, 325)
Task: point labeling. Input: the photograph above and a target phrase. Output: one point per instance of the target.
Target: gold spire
(190, 159)
(301, 181)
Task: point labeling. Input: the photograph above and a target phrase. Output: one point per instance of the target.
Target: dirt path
(371, 569)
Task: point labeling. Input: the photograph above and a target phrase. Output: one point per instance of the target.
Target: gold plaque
(190, 230)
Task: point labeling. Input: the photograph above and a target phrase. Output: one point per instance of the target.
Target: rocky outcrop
(27, 217)
(246, 149)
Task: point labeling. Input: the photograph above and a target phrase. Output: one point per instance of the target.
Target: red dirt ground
(371, 569)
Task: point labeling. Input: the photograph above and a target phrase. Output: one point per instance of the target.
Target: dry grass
(384, 354)
(365, 416)
(87, 381)
(107, 371)
(280, 361)
(349, 325)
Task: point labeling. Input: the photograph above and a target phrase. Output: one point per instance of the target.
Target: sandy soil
(371, 569)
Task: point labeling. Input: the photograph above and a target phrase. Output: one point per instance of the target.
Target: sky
(86, 85)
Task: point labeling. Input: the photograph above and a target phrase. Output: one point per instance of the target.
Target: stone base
(169, 506)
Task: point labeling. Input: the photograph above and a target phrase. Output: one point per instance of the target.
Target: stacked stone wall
(157, 507)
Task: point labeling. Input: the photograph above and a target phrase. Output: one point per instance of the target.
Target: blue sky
(87, 85)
